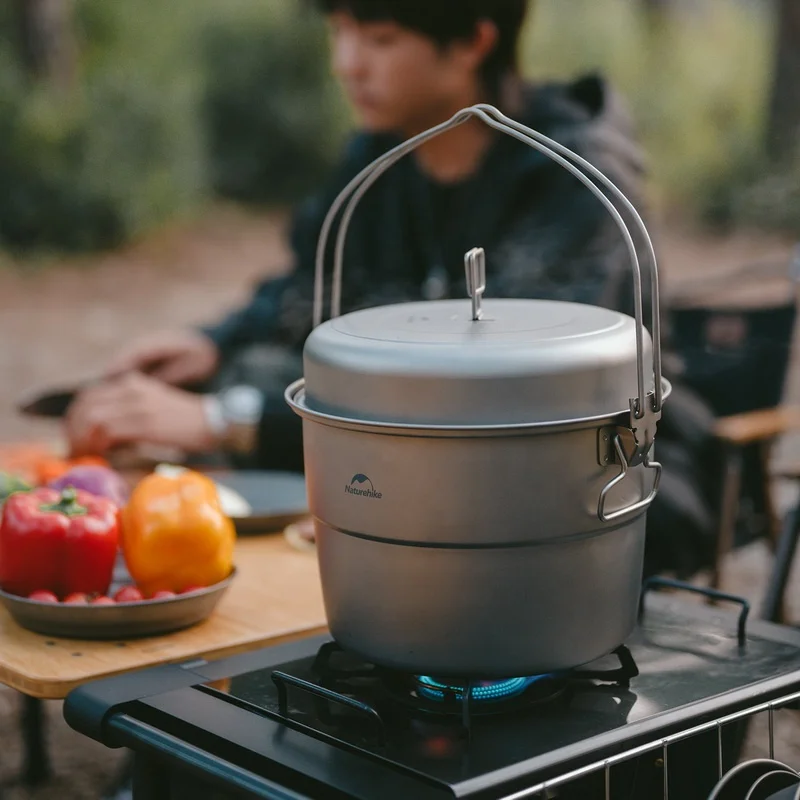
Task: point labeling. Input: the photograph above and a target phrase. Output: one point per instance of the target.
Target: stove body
(307, 720)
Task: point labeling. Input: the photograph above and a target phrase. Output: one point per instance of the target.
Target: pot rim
(295, 396)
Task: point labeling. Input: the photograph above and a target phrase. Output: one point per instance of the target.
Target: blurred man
(405, 66)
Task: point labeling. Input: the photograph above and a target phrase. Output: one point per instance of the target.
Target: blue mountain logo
(360, 480)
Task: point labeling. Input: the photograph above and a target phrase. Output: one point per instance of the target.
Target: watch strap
(215, 417)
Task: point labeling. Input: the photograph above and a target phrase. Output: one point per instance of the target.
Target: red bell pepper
(63, 542)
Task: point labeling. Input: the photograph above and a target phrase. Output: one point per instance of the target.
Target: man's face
(397, 79)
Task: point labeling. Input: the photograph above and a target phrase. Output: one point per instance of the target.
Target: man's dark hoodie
(545, 236)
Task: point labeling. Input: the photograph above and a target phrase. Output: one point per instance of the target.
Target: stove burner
(438, 697)
(344, 680)
(478, 691)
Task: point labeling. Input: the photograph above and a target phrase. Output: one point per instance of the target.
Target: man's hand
(137, 409)
(180, 358)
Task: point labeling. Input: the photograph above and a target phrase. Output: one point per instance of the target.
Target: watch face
(242, 405)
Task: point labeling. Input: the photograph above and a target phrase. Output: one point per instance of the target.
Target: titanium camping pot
(477, 470)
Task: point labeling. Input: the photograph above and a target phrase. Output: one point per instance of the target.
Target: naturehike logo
(368, 489)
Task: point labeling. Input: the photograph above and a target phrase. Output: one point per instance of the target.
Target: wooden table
(275, 598)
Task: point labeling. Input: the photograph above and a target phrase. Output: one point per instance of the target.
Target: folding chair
(737, 360)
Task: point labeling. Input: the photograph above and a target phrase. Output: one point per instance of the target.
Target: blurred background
(148, 151)
(121, 118)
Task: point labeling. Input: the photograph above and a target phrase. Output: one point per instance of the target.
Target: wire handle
(646, 406)
(669, 583)
(641, 505)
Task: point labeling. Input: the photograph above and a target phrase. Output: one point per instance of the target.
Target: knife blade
(53, 403)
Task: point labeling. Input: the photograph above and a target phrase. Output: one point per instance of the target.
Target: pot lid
(450, 363)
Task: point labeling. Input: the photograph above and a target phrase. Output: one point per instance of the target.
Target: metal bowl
(118, 621)
(276, 499)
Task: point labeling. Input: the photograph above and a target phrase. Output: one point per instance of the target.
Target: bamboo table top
(276, 597)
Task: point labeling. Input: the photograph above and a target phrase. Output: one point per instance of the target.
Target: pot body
(475, 553)
(488, 612)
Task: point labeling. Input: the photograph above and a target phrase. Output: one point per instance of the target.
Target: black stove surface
(680, 663)
(435, 746)
(375, 743)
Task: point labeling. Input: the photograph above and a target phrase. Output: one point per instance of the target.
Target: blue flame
(481, 691)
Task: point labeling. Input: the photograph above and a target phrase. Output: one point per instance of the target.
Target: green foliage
(94, 166)
(757, 194)
(174, 100)
(183, 101)
(267, 144)
(697, 81)
(44, 202)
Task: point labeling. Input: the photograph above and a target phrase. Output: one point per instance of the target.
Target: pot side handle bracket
(622, 446)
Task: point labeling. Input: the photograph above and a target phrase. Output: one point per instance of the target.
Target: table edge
(55, 689)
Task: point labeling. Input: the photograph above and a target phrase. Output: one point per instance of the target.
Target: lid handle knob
(475, 265)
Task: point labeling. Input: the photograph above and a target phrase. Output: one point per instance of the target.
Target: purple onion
(96, 480)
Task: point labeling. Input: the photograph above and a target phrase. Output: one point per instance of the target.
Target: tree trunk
(784, 113)
(47, 40)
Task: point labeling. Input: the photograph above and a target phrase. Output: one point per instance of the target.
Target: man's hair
(446, 21)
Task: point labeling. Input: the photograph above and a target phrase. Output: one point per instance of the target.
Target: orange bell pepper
(175, 535)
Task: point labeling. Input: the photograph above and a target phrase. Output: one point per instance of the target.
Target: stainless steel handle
(475, 266)
(642, 504)
(646, 406)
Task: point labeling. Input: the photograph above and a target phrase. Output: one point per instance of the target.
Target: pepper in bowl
(62, 542)
(175, 534)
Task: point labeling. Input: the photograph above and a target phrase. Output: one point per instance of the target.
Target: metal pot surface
(489, 612)
(479, 472)
(522, 361)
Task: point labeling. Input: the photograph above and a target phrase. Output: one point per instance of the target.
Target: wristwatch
(233, 416)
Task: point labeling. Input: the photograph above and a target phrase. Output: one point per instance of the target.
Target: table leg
(150, 779)
(768, 488)
(122, 787)
(728, 513)
(782, 565)
(36, 768)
